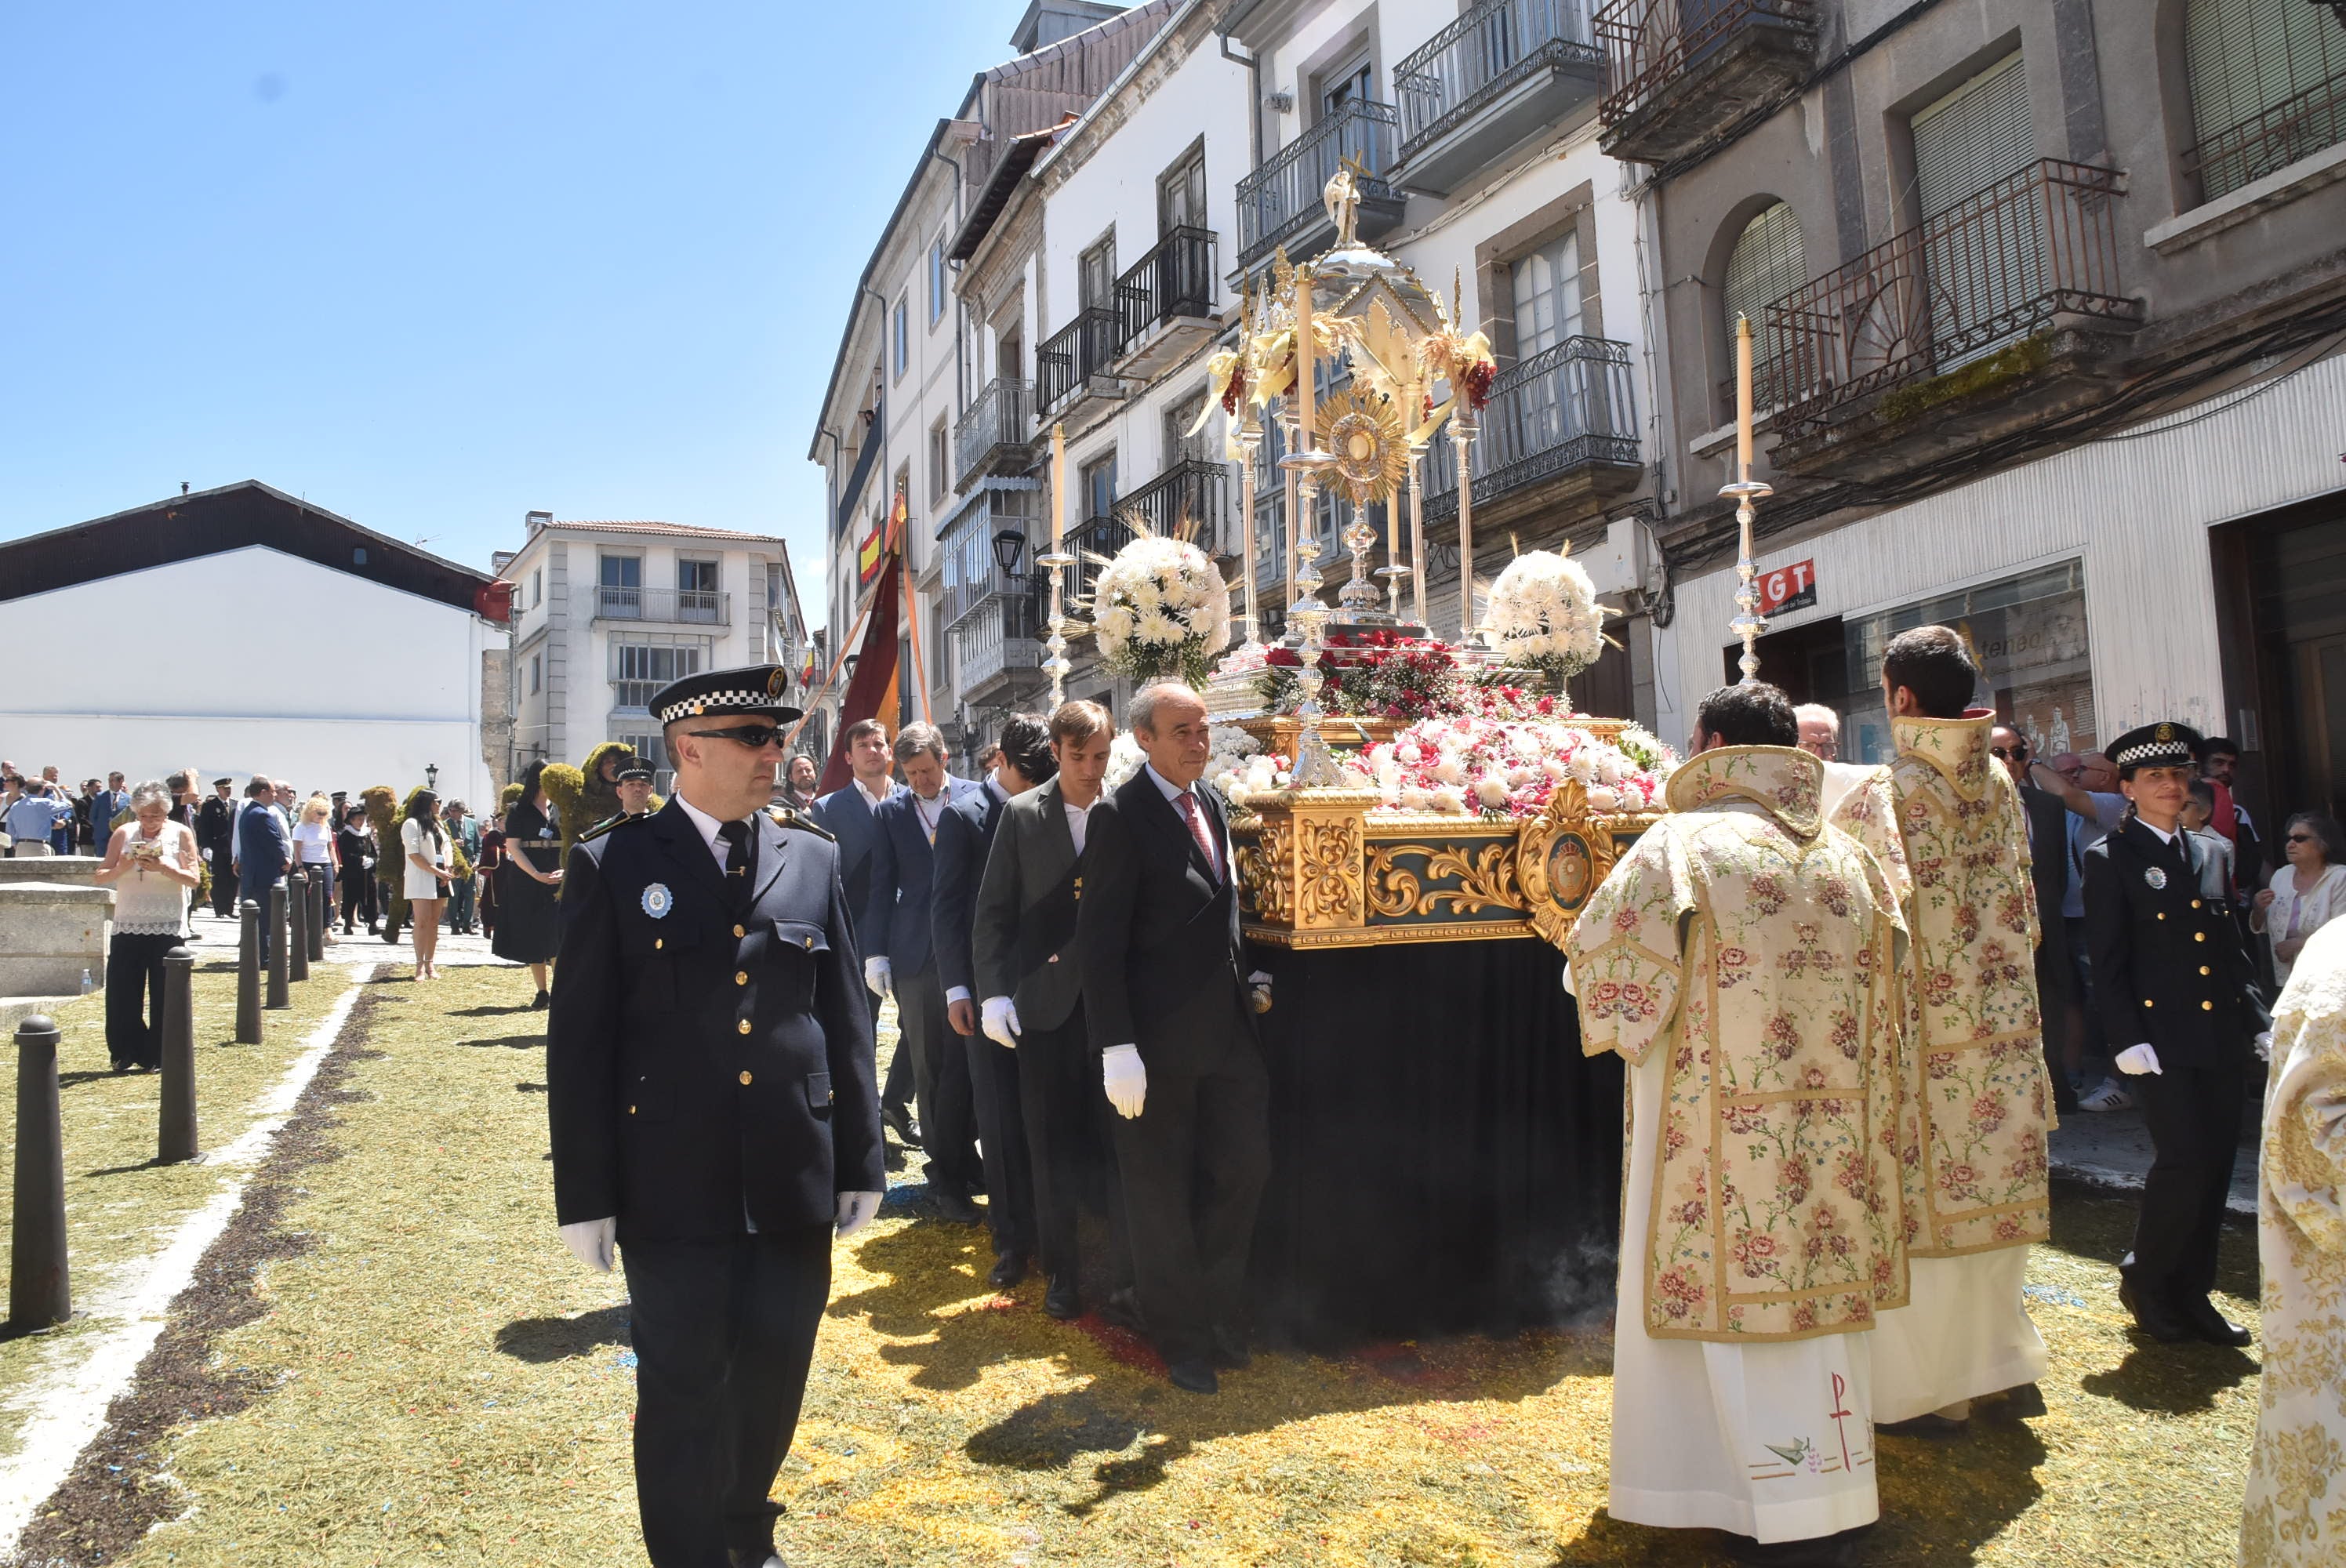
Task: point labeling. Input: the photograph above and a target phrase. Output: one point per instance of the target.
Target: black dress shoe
(1009, 1268)
(899, 1120)
(1229, 1350)
(1194, 1376)
(956, 1210)
(2200, 1315)
(2023, 1403)
(544, 1000)
(2153, 1317)
(1929, 1424)
(1122, 1308)
(1063, 1299)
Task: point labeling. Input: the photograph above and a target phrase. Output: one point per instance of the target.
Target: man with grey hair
(900, 959)
(1820, 731)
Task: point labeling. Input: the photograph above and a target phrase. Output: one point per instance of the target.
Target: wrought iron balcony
(1569, 412)
(1193, 489)
(1501, 72)
(2297, 127)
(1001, 634)
(1280, 203)
(2039, 243)
(1677, 72)
(1065, 363)
(1171, 285)
(682, 606)
(997, 431)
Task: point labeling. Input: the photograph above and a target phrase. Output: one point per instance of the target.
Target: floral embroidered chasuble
(1971, 980)
(2296, 1512)
(1759, 949)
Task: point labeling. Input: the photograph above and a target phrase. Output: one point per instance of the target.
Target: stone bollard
(248, 974)
(175, 1138)
(39, 1293)
(318, 915)
(277, 996)
(297, 926)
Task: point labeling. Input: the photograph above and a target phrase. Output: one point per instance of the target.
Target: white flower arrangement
(1544, 614)
(1160, 610)
(1123, 759)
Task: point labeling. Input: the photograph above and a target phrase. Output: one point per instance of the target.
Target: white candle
(1058, 489)
(1743, 397)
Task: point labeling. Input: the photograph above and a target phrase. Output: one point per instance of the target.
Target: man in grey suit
(846, 815)
(1024, 939)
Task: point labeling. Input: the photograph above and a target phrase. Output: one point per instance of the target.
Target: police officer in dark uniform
(2177, 999)
(709, 1062)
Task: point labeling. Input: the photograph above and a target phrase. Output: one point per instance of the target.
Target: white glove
(998, 1021)
(1125, 1079)
(2264, 1043)
(879, 976)
(856, 1209)
(590, 1241)
(2137, 1060)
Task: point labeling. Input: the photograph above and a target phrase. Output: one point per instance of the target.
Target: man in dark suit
(965, 836)
(216, 837)
(2177, 1004)
(1165, 1003)
(708, 1066)
(899, 961)
(264, 850)
(1029, 974)
(846, 815)
(2048, 869)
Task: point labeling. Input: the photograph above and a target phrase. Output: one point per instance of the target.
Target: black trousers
(134, 998)
(223, 884)
(941, 1080)
(723, 1332)
(1193, 1165)
(2194, 1116)
(994, 1075)
(353, 887)
(896, 1093)
(1069, 1147)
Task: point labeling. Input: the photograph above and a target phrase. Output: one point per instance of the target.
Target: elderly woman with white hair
(152, 866)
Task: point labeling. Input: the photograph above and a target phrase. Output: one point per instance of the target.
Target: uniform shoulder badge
(792, 817)
(603, 827)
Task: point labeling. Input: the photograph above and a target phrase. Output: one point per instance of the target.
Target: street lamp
(432, 776)
(1008, 547)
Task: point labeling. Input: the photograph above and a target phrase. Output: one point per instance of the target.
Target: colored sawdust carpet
(430, 1377)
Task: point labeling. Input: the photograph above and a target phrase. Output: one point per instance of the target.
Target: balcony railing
(635, 695)
(1567, 406)
(1001, 633)
(1650, 44)
(1193, 489)
(1175, 278)
(1102, 536)
(999, 421)
(683, 607)
(2041, 241)
(1481, 56)
(1069, 359)
(2297, 127)
(1281, 199)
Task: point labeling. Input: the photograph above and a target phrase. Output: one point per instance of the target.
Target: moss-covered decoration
(382, 816)
(566, 791)
(508, 798)
(2008, 363)
(597, 800)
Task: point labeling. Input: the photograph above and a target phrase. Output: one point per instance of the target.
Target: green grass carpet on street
(448, 1386)
(120, 1205)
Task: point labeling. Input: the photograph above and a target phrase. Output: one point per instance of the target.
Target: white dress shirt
(869, 799)
(1173, 792)
(707, 826)
(1080, 820)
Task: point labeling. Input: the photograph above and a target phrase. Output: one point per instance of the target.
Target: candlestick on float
(1397, 567)
(1249, 451)
(1746, 492)
(1057, 562)
(1314, 767)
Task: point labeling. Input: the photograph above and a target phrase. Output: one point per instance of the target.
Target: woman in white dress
(425, 842)
(151, 864)
(2307, 893)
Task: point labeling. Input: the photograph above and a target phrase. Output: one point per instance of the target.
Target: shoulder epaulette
(607, 823)
(792, 817)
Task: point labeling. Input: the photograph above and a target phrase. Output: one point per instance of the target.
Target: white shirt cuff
(957, 994)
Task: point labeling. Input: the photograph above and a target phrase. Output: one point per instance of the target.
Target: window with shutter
(1972, 138)
(2268, 87)
(1765, 265)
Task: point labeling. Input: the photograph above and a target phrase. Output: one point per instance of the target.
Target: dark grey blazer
(1023, 931)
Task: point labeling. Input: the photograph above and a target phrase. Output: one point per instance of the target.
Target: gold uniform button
(658, 941)
(2203, 969)
(809, 941)
(742, 1027)
(740, 930)
(2195, 903)
(740, 977)
(2198, 936)
(631, 1110)
(2145, 1002)
(2206, 1007)
(2162, 914)
(745, 1077)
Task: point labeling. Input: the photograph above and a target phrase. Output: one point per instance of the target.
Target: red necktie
(1198, 831)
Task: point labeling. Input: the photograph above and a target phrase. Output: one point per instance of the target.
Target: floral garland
(1507, 767)
(1160, 610)
(1545, 614)
(1370, 675)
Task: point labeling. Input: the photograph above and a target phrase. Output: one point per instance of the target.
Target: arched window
(2268, 87)
(1764, 266)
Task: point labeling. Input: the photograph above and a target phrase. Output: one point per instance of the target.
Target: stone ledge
(2257, 197)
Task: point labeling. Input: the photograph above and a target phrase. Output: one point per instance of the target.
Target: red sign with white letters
(1792, 587)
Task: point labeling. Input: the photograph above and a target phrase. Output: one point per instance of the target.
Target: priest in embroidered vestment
(1740, 958)
(2296, 1515)
(1976, 1197)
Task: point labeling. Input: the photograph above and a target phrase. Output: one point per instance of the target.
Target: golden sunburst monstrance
(1372, 449)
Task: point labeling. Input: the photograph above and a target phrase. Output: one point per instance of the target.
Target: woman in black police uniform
(709, 1071)
(2174, 989)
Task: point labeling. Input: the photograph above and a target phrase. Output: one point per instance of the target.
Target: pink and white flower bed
(1511, 766)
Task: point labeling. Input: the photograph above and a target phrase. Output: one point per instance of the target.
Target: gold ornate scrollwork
(1263, 870)
(1561, 856)
(1486, 878)
(1328, 883)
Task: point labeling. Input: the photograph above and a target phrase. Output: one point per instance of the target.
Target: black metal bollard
(318, 917)
(175, 1138)
(297, 926)
(39, 1292)
(277, 995)
(248, 974)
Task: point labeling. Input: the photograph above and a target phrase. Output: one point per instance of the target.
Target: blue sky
(434, 265)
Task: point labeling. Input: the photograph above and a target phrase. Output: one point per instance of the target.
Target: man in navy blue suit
(846, 815)
(964, 838)
(900, 959)
(264, 849)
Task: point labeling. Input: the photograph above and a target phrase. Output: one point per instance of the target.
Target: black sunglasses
(2014, 754)
(756, 736)
(2303, 838)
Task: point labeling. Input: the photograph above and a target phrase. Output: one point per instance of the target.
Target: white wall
(249, 661)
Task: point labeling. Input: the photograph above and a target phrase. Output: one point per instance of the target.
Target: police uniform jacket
(2168, 969)
(706, 1065)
